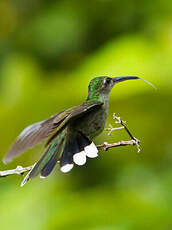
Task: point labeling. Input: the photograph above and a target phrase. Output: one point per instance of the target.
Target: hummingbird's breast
(92, 123)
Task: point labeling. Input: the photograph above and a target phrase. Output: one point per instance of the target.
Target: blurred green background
(49, 51)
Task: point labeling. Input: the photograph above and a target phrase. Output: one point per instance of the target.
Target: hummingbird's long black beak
(119, 79)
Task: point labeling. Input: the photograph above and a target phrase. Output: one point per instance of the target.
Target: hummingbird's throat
(97, 97)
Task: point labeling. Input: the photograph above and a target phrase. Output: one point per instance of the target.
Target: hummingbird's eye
(108, 80)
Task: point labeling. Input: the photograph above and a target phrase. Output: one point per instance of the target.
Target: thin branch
(119, 121)
(105, 146)
(111, 129)
(19, 171)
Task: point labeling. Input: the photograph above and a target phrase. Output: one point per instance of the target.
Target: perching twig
(111, 129)
(136, 141)
(19, 171)
(105, 146)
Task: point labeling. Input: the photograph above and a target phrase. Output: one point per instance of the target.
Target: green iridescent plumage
(71, 131)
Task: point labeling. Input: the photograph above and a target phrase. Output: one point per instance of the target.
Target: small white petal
(91, 150)
(66, 168)
(80, 158)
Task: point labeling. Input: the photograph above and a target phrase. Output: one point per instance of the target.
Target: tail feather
(76, 151)
(66, 161)
(90, 148)
(74, 147)
(42, 162)
(47, 162)
(55, 157)
(69, 148)
(83, 141)
(51, 164)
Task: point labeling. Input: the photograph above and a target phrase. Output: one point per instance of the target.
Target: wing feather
(33, 135)
(79, 111)
(36, 133)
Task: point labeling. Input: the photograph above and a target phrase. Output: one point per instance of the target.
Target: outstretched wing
(33, 135)
(36, 133)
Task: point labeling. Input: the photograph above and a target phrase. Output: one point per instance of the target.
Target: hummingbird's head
(101, 86)
(104, 84)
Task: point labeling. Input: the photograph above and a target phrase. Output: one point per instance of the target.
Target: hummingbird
(70, 131)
